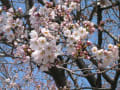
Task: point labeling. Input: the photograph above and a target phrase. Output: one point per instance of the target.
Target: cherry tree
(60, 44)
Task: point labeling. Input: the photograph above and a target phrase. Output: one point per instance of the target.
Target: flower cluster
(23, 52)
(12, 28)
(108, 56)
(74, 37)
(55, 32)
(81, 50)
(90, 26)
(45, 49)
(49, 37)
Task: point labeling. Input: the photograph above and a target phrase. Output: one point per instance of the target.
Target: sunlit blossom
(94, 50)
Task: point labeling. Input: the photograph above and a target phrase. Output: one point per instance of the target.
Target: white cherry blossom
(11, 37)
(71, 39)
(100, 54)
(34, 44)
(110, 46)
(83, 32)
(36, 56)
(70, 48)
(42, 41)
(67, 33)
(76, 34)
(73, 5)
(33, 34)
(94, 50)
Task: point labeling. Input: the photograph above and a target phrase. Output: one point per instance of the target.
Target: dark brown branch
(59, 76)
(74, 80)
(114, 85)
(92, 13)
(111, 6)
(109, 34)
(99, 18)
(91, 78)
(106, 77)
(29, 4)
(6, 3)
(41, 2)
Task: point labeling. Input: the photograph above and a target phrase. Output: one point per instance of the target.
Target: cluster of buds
(81, 49)
(23, 52)
(28, 51)
(49, 4)
(89, 26)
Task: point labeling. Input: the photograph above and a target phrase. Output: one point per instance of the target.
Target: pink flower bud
(79, 42)
(89, 43)
(81, 53)
(85, 52)
(20, 10)
(87, 57)
(73, 53)
(23, 46)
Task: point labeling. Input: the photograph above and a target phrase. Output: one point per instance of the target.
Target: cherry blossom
(108, 56)
(56, 34)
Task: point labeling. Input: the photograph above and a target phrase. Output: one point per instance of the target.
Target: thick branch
(59, 76)
(91, 79)
(106, 77)
(99, 18)
(29, 4)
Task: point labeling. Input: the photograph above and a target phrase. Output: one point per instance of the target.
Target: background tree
(60, 44)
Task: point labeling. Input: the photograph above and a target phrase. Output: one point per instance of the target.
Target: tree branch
(111, 6)
(91, 78)
(41, 2)
(106, 77)
(6, 3)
